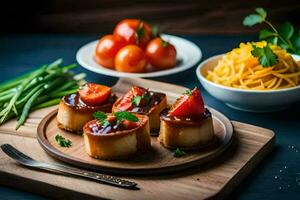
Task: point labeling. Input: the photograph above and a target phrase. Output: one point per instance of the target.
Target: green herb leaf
(256, 18)
(155, 31)
(63, 142)
(286, 30)
(261, 12)
(140, 100)
(264, 34)
(179, 153)
(136, 100)
(252, 20)
(123, 115)
(101, 116)
(285, 37)
(265, 55)
(188, 92)
(296, 42)
(273, 40)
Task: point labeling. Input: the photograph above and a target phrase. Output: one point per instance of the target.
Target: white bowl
(247, 100)
(188, 55)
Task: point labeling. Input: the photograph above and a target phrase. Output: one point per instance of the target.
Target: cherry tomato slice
(129, 124)
(188, 105)
(138, 91)
(94, 94)
(126, 102)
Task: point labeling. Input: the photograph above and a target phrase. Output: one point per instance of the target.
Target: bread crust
(153, 113)
(120, 144)
(73, 119)
(187, 136)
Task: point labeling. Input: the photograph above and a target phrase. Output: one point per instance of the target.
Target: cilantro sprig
(120, 115)
(140, 100)
(123, 115)
(286, 36)
(179, 152)
(265, 55)
(101, 116)
(188, 92)
(63, 142)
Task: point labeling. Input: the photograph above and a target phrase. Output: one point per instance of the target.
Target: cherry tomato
(161, 54)
(126, 102)
(190, 104)
(138, 91)
(94, 94)
(130, 58)
(134, 31)
(107, 48)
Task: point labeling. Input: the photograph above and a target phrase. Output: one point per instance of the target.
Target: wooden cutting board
(215, 179)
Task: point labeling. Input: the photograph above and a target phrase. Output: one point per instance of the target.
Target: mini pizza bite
(76, 109)
(142, 101)
(187, 124)
(116, 136)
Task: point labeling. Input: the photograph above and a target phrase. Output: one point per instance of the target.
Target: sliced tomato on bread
(126, 102)
(94, 94)
(189, 104)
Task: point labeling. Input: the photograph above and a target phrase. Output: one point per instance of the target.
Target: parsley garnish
(63, 142)
(101, 116)
(286, 36)
(140, 100)
(188, 92)
(265, 55)
(258, 17)
(178, 152)
(136, 100)
(120, 115)
(123, 115)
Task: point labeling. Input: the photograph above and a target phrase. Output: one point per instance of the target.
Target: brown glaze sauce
(97, 129)
(155, 99)
(74, 101)
(196, 120)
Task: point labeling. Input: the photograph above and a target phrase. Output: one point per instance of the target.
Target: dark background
(188, 17)
(216, 26)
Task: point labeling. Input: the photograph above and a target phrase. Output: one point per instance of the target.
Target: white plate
(188, 54)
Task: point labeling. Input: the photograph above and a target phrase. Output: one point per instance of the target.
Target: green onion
(40, 88)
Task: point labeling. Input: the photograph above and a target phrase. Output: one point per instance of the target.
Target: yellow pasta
(239, 69)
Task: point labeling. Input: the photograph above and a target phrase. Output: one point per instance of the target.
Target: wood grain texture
(212, 180)
(215, 179)
(174, 16)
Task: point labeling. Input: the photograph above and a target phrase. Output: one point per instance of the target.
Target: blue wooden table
(276, 177)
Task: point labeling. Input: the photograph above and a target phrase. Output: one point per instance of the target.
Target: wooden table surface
(20, 53)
